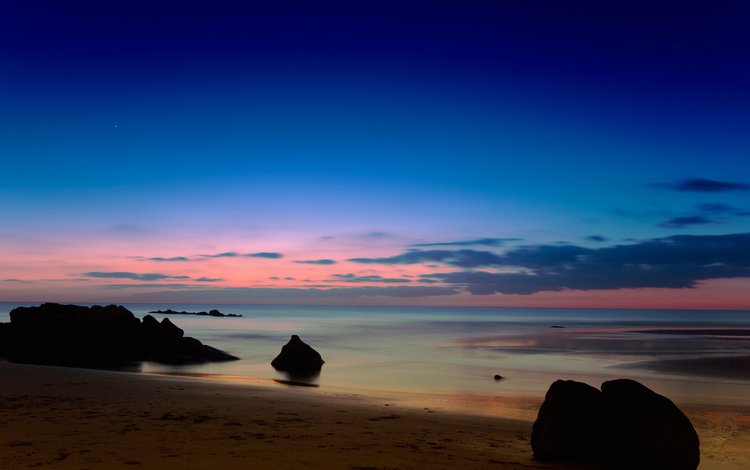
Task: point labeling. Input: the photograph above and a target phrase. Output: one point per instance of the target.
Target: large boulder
(568, 421)
(643, 426)
(626, 425)
(74, 335)
(97, 336)
(297, 356)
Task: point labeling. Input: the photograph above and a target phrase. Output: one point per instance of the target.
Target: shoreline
(83, 418)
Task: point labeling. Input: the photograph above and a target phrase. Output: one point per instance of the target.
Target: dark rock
(297, 356)
(498, 377)
(96, 336)
(644, 426)
(212, 313)
(626, 425)
(568, 420)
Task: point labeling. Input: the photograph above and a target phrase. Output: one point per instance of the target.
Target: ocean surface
(691, 356)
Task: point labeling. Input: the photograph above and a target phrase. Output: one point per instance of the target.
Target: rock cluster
(210, 313)
(97, 336)
(625, 425)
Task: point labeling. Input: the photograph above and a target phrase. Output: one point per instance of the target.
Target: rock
(212, 313)
(297, 356)
(74, 335)
(188, 350)
(97, 336)
(498, 377)
(568, 420)
(643, 426)
(626, 425)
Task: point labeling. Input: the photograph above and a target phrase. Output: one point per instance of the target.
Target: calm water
(458, 350)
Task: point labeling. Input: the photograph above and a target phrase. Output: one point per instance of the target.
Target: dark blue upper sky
(543, 120)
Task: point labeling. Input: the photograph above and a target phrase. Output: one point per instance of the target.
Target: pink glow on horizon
(54, 268)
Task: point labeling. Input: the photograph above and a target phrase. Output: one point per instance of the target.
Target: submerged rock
(97, 336)
(625, 425)
(298, 356)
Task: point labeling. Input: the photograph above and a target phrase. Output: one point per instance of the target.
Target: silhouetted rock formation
(643, 424)
(297, 356)
(626, 425)
(97, 336)
(568, 421)
(210, 313)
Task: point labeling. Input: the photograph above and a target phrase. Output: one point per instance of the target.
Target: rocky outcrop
(298, 357)
(97, 336)
(625, 425)
(210, 313)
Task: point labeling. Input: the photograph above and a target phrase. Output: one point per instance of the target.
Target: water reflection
(299, 379)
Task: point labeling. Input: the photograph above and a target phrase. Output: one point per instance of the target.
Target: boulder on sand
(567, 424)
(626, 425)
(645, 426)
(297, 356)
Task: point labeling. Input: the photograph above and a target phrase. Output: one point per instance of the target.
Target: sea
(692, 356)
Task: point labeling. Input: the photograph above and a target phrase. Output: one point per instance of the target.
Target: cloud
(226, 254)
(720, 208)
(316, 261)
(151, 286)
(17, 281)
(134, 276)
(477, 242)
(378, 235)
(208, 279)
(596, 238)
(265, 254)
(459, 258)
(687, 221)
(704, 185)
(370, 278)
(298, 295)
(174, 258)
(676, 262)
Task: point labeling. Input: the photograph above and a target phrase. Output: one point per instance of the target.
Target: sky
(474, 153)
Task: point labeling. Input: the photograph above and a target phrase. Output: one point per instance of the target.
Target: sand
(89, 419)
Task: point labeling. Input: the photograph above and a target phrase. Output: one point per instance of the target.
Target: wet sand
(88, 419)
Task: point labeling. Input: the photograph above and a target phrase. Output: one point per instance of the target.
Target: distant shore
(76, 418)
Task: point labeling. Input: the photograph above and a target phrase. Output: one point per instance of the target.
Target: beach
(54, 417)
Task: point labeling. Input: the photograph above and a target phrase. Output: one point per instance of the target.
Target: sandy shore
(88, 419)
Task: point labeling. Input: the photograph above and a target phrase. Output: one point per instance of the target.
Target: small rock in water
(498, 377)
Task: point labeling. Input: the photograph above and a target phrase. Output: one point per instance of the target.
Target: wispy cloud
(476, 242)
(460, 258)
(316, 261)
(208, 279)
(174, 258)
(596, 238)
(687, 221)
(317, 294)
(17, 281)
(134, 276)
(265, 254)
(152, 285)
(365, 279)
(703, 185)
(226, 254)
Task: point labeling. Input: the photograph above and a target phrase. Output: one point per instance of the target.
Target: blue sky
(174, 129)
